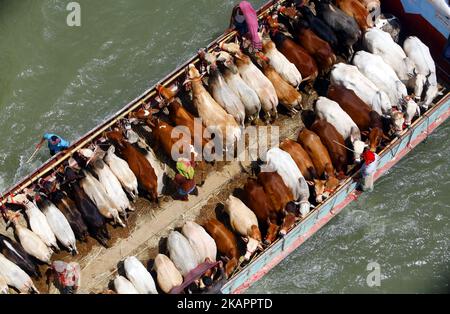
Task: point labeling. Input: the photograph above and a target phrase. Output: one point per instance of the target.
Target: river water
(56, 78)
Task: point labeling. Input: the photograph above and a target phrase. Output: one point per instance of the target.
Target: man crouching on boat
(184, 180)
(368, 170)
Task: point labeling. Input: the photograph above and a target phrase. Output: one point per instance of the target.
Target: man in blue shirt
(56, 143)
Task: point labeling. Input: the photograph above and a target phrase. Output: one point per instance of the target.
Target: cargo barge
(345, 194)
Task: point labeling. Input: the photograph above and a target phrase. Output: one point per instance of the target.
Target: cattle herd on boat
(370, 100)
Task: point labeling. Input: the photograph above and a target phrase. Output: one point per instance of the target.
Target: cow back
(299, 57)
(259, 202)
(358, 110)
(224, 238)
(333, 141)
(276, 189)
(318, 153)
(301, 158)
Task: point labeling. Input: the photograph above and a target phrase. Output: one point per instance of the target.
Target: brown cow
(357, 109)
(259, 202)
(288, 96)
(163, 134)
(318, 153)
(334, 142)
(298, 56)
(226, 243)
(358, 11)
(179, 116)
(315, 46)
(276, 189)
(367, 120)
(140, 166)
(301, 158)
(376, 135)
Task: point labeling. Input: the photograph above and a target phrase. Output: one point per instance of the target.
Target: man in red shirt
(368, 170)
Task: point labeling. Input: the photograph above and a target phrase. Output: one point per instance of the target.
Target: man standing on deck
(370, 166)
(56, 143)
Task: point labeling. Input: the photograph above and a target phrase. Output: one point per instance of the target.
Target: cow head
(167, 94)
(226, 59)
(319, 190)
(288, 222)
(358, 145)
(232, 48)
(115, 136)
(252, 246)
(412, 110)
(289, 12)
(375, 137)
(432, 92)
(12, 217)
(193, 73)
(230, 267)
(398, 121)
(272, 232)
(272, 21)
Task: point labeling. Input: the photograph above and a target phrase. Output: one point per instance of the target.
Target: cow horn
(187, 81)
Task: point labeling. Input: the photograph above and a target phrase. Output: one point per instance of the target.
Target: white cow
(381, 74)
(258, 82)
(124, 286)
(350, 77)
(202, 243)
(287, 70)
(248, 96)
(385, 78)
(38, 222)
(244, 222)
(123, 172)
(214, 117)
(112, 186)
(280, 161)
(30, 241)
(168, 276)
(3, 286)
(181, 253)
(15, 276)
(224, 95)
(59, 224)
(331, 112)
(97, 193)
(139, 276)
(417, 51)
(381, 43)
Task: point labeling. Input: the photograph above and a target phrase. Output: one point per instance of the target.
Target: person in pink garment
(245, 20)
